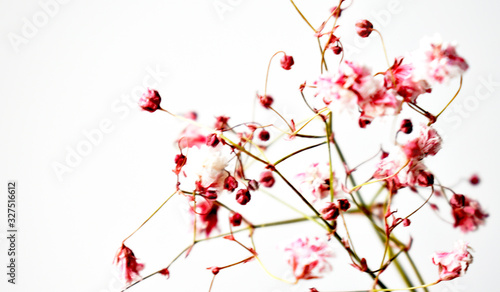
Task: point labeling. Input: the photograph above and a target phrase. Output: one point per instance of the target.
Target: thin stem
(459, 88)
(158, 209)
(297, 152)
(303, 17)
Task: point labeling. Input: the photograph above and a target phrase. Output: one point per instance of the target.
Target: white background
(84, 65)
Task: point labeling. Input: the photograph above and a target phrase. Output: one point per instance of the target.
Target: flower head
(467, 213)
(453, 264)
(150, 100)
(127, 264)
(364, 28)
(315, 181)
(286, 62)
(206, 215)
(309, 258)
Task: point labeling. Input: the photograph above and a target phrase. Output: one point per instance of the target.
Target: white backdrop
(72, 71)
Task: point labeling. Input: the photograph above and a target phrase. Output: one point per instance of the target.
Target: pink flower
(150, 100)
(401, 78)
(428, 142)
(453, 264)
(309, 258)
(440, 61)
(413, 174)
(206, 216)
(267, 179)
(330, 211)
(191, 136)
(315, 181)
(266, 101)
(467, 213)
(127, 264)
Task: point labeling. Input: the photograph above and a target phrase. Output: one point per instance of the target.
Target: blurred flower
(467, 213)
(150, 100)
(309, 258)
(453, 264)
(128, 267)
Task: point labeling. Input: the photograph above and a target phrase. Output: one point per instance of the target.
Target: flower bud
(364, 28)
(150, 100)
(235, 219)
(406, 126)
(338, 11)
(180, 161)
(215, 270)
(425, 179)
(474, 180)
(406, 222)
(212, 140)
(230, 183)
(337, 49)
(266, 101)
(267, 179)
(287, 62)
(221, 123)
(344, 204)
(243, 196)
(264, 135)
(253, 185)
(330, 212)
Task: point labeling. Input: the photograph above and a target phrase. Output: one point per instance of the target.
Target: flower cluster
(216, 176)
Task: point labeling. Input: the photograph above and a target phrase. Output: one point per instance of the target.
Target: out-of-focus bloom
(308, 258)
(406, 126)
(221, 123)
(438, 61)
(150, 100)
(315, 181)
(127, 264)
(235, 219)
(230, 183)
(191, 136)
(467, 213)
(286, 62)
(267, 179)
(205, 168)
(474, 180)
(344, 204)
(453, 264)
(206, 215)
(364, 28)
(264, 135)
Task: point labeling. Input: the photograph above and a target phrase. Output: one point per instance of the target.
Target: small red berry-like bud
(267, 179)
(230, 183)
(180, 161)
(406, 222)
(337, 49)
(253, 185)
(313, 290)
(212, 140)
(344, 204)
(384, 155)
(406, 126)
(364, 28)
(215, 270)
(425, 179)
(235, 219)
(287, 62)
(221, 123)
(266, 101)
(474, 180)
(243, 196)
(330, 212)
(165, 272)
(264, 135)
(150, 100)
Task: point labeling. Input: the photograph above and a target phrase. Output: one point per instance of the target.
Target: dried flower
(267, 179)
(467, 213)
(150, 100)
(243, 196)
(127, 264)
(286, 62)
(364, 28)
(308, 258)
(453, 264)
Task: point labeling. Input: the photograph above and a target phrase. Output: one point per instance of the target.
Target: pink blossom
(440, 61)
(401, 78)
(398, 175)
(309, 258)
(127, 264)
(364, 28)
(427, 142)
(150, 100)
(315, 181)
(267, 179)
(191, 136)
(206, 215)
(467, 213)
(453, 264)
